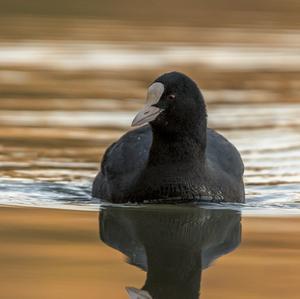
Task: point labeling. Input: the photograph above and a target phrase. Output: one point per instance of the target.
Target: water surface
(62, 104)
(47, 253)
(71, 79)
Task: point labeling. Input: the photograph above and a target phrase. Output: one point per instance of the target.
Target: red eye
(171, 97)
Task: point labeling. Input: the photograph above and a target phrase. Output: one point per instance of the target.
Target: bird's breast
(181, 189)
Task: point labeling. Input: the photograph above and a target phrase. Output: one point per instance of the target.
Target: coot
(174, 157)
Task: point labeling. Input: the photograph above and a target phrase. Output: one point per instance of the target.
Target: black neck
(185, 145)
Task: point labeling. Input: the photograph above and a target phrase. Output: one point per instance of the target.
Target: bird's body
(126, 160)
(176, 158)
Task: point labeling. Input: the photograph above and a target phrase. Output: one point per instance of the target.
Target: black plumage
(172, 243)
(173, 158)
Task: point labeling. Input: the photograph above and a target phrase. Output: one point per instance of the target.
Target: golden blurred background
(72, 75)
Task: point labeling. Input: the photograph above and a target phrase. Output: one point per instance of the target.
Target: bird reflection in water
(172, 243)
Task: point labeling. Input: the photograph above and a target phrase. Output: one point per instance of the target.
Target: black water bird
(174, 157)
(172, 243)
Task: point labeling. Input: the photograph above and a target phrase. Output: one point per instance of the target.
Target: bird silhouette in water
(172, 244)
